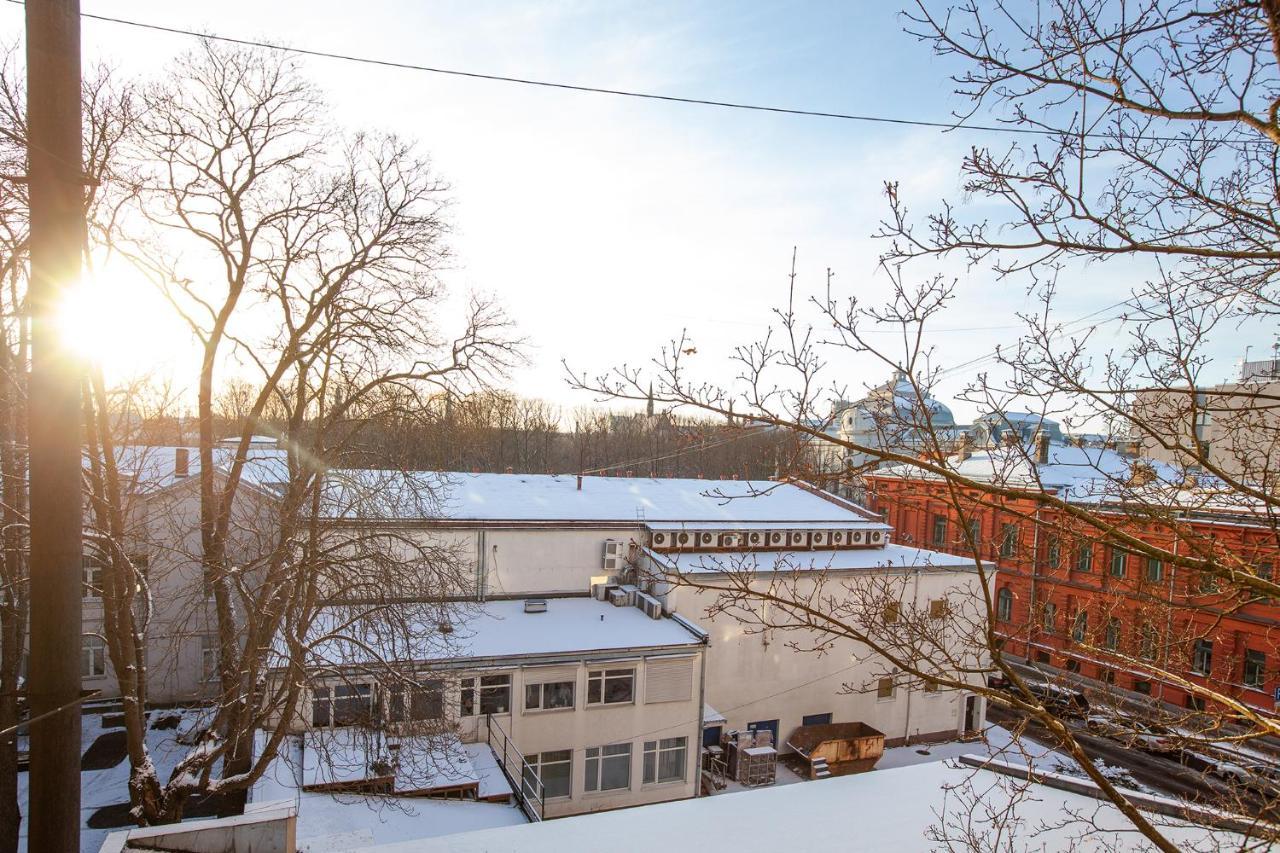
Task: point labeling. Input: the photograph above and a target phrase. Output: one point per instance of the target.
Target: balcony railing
(525, 781)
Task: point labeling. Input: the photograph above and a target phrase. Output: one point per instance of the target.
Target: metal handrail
(532, 802)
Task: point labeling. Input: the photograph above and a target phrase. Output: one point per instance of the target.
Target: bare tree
(1151, 132)
(306, 256)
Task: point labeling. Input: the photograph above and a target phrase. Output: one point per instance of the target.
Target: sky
(608, 226)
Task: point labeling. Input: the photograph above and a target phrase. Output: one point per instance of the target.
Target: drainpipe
(702, 710)
(915, 600)
(1035, 567)
(1169, 618)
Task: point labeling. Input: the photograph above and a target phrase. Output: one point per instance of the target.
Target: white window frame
(537, 691)
(601, 678)
(210, 655)
(93, 656)
(326, 696)
(893, 689)
(479, 692)
(91, 586)
(536, 763)
(598, 757)
(655, 751)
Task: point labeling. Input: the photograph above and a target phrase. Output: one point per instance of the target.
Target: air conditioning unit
(615, 555)
(650, 605)
(878, 536)
(661, 539)
(706, 539)
(756, 538)
(775, 537)
(837, 537)
(683, 539)
(856, 537)
(618, 597)
(818, 538)
(730, 540)
(798, 538)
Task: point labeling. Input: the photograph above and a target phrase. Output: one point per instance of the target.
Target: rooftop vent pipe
(535, 605)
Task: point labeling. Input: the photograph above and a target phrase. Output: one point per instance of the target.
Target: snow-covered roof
(1091, 475)
(557, 498)
(348, 754)
(857, 522)
(153, 468)
(902, 556)
(897, 809)
(494, 630)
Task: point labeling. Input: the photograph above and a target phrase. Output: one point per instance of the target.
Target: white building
(680, 674)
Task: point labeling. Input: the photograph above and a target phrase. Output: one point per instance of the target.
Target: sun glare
(120, 325)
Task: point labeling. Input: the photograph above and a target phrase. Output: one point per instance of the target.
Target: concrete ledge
(271, 830)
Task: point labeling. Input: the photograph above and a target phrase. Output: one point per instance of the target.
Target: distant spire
(649, 408)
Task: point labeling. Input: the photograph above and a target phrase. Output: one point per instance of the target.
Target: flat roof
(849, 524)
(880, 810)
(551, 497)
(495, 629)
(889, 556)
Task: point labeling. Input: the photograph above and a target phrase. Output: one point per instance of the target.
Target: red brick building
(1068, 597)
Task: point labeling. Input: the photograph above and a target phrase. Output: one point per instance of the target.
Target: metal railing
(525, 781)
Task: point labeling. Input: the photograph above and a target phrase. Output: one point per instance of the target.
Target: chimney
(510, 470)
(1042, 447)
(579, 482)
(181, 462)
(630, 473)
(966, 447)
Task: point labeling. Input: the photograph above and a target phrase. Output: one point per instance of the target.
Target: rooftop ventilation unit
(857, 538)
(837, 537)
(775, 537)
(682, 539)
(618, 597)
(706, 538)
(757, 538)
(819, 538)
(661, 539)
(535, 605)
(730, 540)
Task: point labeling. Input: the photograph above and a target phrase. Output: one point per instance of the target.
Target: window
(426, 702)
(91, 569)
(664, 760)
(93, 656)
(209, 655)
(548, 696)
(1004, 604)
(1208, 582)
(1042, 657)
(1155, 570)
(891, 611)
(611, 686)
(939, 531)
(341, 705)
(1202, 656)
(1073, 665)
(1053, 552)
(1118, 556)
(1112, 640)
(1009, 540)
(550, 771)
(975, 532)
(1141, 685)
(816, 720)
(939, 608)
(1147, 641)
(1080, 627)
(1255, 665)
(1050, 617)
(1264, 571)
(1108, 676)
(608, 767)
(494, 695)
(884, 688)
(1195, 703)
(1084, 557)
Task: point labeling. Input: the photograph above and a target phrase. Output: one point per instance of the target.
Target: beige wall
(758, 676)
(584, 726)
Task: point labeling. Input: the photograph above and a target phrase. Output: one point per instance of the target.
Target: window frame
(1111, 639)
(539, 688)
(210, 647)
(1004, 604)
(939, 530)
(1122, 556)
(1053, 551)
(426, 701)
(1202, 656)
(600, 679)
(1084, 557)
(653, 754)
(883, 695)
(1154, 570)
(538, 764)
(91, 567)
(93, 656)
(1009, 541)
(1255, 661)
(1080, 626)
(1049, 617)
(594, 767)
(474, 695)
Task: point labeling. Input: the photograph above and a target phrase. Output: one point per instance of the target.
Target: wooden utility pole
(56, 183)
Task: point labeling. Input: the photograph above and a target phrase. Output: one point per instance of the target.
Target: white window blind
(668, 680)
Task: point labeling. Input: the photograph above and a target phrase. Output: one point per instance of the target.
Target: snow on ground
(108, 787)
(891, 810)
(995, 741)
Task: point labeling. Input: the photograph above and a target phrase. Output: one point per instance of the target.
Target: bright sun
(121, 324)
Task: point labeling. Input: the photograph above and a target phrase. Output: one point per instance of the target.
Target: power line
(603, 90)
